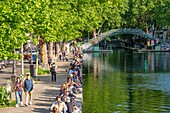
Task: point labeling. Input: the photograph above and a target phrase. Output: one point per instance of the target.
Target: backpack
(52, 69)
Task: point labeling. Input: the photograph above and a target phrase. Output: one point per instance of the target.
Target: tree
(144, 14)
(12, 28)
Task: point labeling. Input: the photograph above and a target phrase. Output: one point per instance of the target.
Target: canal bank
(45, 91)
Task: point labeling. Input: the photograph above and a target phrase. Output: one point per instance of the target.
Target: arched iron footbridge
(86, 46)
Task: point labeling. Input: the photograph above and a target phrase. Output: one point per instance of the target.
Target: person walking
(28, 88)
(53, 68)
(18, 90)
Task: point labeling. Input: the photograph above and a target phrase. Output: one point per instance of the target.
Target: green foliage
(5, 97)
(143, 14)
(41, 71)
(58, 20)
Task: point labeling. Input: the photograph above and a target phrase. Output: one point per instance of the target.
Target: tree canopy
(144, 13)
(58, 20)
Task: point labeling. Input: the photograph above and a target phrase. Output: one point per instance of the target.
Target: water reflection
(126, 82)
(143, 62)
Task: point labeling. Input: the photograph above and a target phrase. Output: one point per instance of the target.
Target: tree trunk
(68, 47)
(37, 57)
(43, 49)
(146, 27)
(14, 68)
(54, 49)
(14, 75)
(56, 52)
(61, 46)
(155, 30)
(50, 46)
(94, 33)
(64, 46)
(57, 48)
(36, 65)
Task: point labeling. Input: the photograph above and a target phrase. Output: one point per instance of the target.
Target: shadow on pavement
(41, 110)
(5, 72)
(51, 89)
(43, 104)
(50, 93)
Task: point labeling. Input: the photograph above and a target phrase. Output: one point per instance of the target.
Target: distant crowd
(66, 99)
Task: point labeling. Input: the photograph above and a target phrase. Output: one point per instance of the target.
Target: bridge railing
(114, 32)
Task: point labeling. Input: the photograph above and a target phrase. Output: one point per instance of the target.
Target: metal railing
(88, 45)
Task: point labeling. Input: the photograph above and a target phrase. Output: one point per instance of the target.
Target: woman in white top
(61, 106)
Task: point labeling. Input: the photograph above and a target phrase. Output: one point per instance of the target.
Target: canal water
(126, 82)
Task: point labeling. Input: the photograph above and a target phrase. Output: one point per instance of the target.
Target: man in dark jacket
(53, 68)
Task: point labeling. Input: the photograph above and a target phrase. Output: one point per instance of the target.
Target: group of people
(62, 56)
(66, 99)
(26, 86)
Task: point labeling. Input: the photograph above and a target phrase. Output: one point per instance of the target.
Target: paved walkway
(45, 92)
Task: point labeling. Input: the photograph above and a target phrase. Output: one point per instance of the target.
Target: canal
(126, 82)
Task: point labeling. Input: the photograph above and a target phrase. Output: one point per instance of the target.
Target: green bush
(42, 71)
(5, 98)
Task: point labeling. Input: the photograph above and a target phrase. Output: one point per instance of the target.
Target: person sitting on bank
(55, 109)
(60, 105)
(28, 88)
(53, 71)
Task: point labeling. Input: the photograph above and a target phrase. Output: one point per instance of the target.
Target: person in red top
(18, 91)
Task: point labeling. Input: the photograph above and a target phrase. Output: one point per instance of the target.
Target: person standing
(28, 88)
(18, 90)
(63, 55)
(53, 68)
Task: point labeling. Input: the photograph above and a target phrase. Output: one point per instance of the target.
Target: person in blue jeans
(18, 91)
(28, 88)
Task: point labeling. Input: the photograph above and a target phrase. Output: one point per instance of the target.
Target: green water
(126, 82)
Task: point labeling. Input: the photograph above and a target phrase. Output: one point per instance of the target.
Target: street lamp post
(22, 61)
(37, 54)
(14, 66)
(31, 63)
